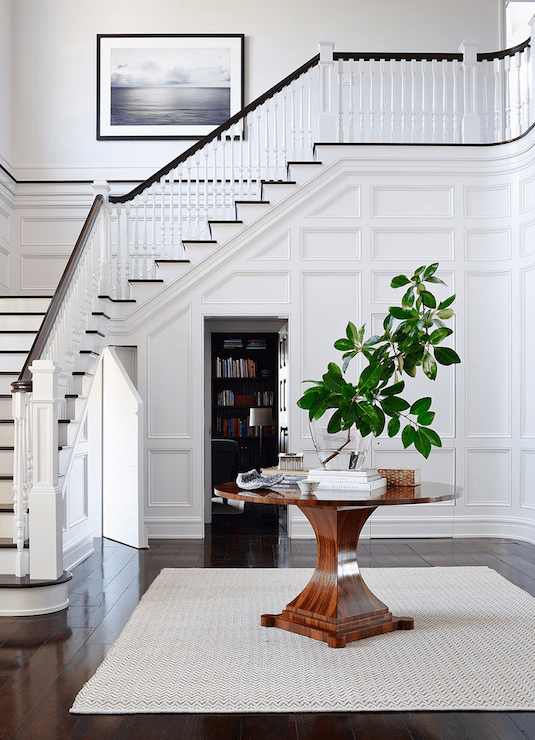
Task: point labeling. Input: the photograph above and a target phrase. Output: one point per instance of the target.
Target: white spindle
(456, 134)
(486, 102)
(301, 117)
(119, 259)
(382, 111)
(413, 100)
(340, 116)
(284, 126)
(361, 100)
(293, 123)
(507, 80)
(434, 100)
(392, 100)
(423, 73)
(444, 70)
(403, 99)
(351, 104)
(145, 233)
(526, 66)
(518, 92)
(371, 68)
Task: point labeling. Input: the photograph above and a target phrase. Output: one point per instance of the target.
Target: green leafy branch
(413, 333)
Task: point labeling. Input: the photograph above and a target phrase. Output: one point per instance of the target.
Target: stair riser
(80, 384)
(6, 408)
(6, 462)
(22, 305)
(7, 434)
(20, 322)
(277, 192)
(223, 232)
(6, 524)
(302, 173)
(15, 341)
(74, 407)
(86, 363)
(249, 212)
(12, 362)
(6, 380)
(67, 433)
(6, 491)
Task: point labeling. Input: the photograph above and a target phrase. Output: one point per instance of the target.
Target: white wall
(5, 82)
(326, 255)
(54, 62)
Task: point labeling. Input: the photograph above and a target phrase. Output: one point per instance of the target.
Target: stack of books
(365, 479)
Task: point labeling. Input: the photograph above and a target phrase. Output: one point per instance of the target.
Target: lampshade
(260, 417)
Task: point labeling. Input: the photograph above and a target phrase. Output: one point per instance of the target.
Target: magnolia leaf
(429, 366)
(435, 280)
(446, 356)
(394, 404)
(335, 422)
(447, 302)
(407, 435)
(352, 332)
(425, 418)
(344, 345)
(393, 426)
(397, 312)
(428, 299)
(422, 404)
(431, 436)
(393, 389)
(399, 281)
(430, 270)
(445, 313)
(422, 443)
(439, 335)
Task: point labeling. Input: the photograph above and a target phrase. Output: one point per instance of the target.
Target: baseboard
(175, 529)
(444, 526)
(77, 550)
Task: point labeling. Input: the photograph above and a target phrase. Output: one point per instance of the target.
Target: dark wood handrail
(218, 132)
(24, 382)
(490, 56)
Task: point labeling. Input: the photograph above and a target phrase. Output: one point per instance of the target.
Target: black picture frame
(167, 86)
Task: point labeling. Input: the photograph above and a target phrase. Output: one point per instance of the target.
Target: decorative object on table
(401, 349)
(290, 461)
(167, 86)
(252, 480)
(308, 486)
(365, 479)
(260, 417)
(402, 476)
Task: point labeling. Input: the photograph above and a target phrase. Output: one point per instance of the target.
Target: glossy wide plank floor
(44, 661)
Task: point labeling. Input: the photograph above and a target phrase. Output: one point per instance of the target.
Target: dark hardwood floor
(44, 661)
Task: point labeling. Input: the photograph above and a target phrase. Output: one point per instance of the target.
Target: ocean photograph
(169, 105)
(170, 86)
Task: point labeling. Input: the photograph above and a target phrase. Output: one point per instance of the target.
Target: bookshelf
(245, 376)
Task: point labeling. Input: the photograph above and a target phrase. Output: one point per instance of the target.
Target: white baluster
(293, 124)
(248, 124)
(382, 111)
(19, 401)
(232, 174)
(351, 112)
(284, 127)
(302, 118)
(526, 67)
(275, 138)
(127, 253)
(136, 273)
(119, 260)
(340, 123)
(145, 197)
(456, 106)
(444, 101)
(309, 118)
(471, 132)
(518, 93)
(361, 100)
(423, 73)
(507, 82)
(371, 70)
(434, 99)
(403, 107)
(392, 100)
(223, 178)
(153, 196)
(486, 104)
(198, 196)
(258, 155)
(207, 191)
(413, 100)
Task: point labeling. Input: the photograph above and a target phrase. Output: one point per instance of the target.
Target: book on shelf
(235, 368)
(256, 344)
(232, 343)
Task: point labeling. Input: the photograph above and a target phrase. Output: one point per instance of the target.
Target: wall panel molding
(330, 244)
(487, 477)
(413, 243)
(412, 202)
(170, 478)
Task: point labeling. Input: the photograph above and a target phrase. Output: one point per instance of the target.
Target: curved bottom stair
(25, 597)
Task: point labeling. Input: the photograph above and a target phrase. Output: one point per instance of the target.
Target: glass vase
(344, 450)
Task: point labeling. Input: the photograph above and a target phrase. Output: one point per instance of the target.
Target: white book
(362, 474)
(352, 486)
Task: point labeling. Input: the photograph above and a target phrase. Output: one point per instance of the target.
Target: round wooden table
(336, 606)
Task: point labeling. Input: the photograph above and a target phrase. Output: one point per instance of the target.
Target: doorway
(243, 384)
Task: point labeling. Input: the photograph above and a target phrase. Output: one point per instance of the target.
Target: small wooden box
(402, 476)
(244, 400)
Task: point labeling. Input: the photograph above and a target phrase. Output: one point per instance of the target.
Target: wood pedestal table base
(337, 606)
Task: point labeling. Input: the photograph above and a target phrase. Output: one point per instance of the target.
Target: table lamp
(260, 417)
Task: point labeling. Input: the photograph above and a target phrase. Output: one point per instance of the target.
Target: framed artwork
(167, 86)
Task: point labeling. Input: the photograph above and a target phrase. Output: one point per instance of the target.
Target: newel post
(470, 125)
(45, 504)
(327, 117)
(101, 187)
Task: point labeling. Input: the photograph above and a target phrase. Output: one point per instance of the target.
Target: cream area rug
(194, 644)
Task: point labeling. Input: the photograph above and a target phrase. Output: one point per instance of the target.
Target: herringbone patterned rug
(195, 644)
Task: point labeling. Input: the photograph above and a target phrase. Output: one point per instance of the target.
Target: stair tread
(6, 508)
(8, 581)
